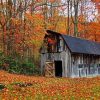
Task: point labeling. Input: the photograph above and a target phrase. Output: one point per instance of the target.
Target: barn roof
(78, 45)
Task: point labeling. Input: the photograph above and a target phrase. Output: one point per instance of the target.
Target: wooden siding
(73, 65)
(64, 56)
(85, 65)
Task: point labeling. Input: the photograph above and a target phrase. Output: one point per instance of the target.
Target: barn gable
(78, 45)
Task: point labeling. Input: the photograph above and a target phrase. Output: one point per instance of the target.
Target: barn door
(58, 68)
(49, 69)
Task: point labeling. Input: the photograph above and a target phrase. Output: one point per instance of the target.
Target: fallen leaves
(41, 88)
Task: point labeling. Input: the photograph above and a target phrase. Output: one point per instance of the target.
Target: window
(51, 43)
(60, 44)
(54, 43)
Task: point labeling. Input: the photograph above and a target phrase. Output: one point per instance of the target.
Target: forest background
(23, 24)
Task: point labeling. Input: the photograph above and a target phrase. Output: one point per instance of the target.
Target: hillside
(20, 87)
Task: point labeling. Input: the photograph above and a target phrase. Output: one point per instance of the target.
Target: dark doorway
(58, 68)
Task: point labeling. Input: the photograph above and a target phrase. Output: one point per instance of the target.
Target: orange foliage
(96, 1)
(52, 1)
(48, 88)
(92, 31)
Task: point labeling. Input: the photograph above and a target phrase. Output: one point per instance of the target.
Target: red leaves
(96, 1)
(52, 1)
(51, 41)
(63, 88)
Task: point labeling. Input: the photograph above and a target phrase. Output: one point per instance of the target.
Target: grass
(20, 87)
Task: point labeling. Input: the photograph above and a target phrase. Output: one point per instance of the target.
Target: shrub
(37, 71)
(27, 68)
(1, 59)
(15, 65)
(2, 86)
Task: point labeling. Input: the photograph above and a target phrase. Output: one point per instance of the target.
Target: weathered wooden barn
(67, 56)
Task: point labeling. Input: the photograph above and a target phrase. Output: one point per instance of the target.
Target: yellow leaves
(33, 17)
(2, 18)
(63, 88)
(35, 29)
(29, 16)
(15, 21)
(52, 1)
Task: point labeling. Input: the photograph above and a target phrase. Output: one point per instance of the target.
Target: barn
(67, 56)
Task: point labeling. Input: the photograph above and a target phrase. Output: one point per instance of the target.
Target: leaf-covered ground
(20, 87)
